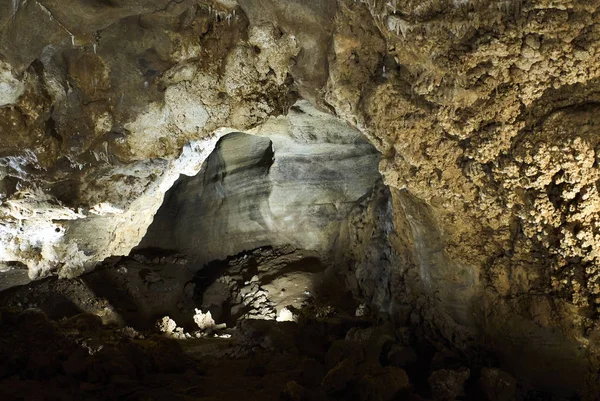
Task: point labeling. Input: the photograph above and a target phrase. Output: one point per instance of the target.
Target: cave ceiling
(486, 115)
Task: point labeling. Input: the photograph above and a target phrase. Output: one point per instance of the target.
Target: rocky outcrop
(96, 137)
(485, 114)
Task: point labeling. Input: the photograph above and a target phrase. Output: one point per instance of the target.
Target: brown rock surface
(486, 115)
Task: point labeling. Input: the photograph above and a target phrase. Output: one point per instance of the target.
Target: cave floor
(139, 290)
(95, 338)
(325, 356)
(79, 358)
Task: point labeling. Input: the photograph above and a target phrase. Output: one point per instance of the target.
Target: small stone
(361, 310)
(204, 321)
(130, 332)
(166, 325)
(286, 315)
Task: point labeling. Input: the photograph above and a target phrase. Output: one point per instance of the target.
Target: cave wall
(293, 181)
(112, 111)
(485, 113)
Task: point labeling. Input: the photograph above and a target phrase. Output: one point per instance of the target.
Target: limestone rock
(204, 321)
(10, 87)
(292, 182)
(166, 325)
(485, 114)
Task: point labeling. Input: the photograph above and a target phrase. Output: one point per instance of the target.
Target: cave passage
(273, 269)
(277, 204)
(300, 200)
(257, 191)
(275, 219)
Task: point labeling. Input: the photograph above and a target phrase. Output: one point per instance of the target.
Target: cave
(300, 200)
(291, 189)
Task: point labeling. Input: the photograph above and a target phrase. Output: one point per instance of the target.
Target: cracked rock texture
(485, 113)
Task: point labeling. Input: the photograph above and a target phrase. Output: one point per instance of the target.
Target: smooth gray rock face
(293, 186)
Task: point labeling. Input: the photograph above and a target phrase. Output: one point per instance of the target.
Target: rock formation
(292, 182)
(209, 128)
